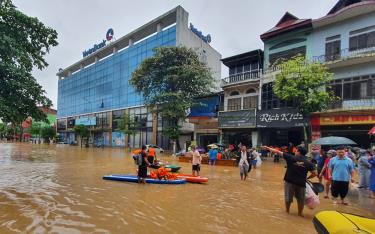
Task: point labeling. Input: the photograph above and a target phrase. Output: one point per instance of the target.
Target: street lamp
(102, 107)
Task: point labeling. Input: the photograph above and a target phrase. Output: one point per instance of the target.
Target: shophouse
(237, 121)
(344, 40)
(279, 122)
(95, 90)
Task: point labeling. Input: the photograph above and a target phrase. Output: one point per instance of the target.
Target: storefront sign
(109, 36)
(206, 39)
(283, 118)
(87, 121)
(347, 119)
(237, 119)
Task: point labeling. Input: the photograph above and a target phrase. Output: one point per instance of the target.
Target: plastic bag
(259, 161)
(311, 199)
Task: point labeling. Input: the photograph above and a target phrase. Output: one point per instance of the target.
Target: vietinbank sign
(206, 39)
(108, 36)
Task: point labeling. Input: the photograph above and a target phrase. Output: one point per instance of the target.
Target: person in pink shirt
(197, 159)
(325, 172)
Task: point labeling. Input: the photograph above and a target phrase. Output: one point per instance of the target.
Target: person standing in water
(142, 169)
(342, 171)
(295, 176)
(151, 154)
(325, 172)
(197, 158)
(245, 163)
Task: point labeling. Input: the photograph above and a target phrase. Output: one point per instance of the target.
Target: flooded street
(59, 189)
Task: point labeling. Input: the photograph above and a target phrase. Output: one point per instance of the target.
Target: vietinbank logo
(206, 39)
(109, 36)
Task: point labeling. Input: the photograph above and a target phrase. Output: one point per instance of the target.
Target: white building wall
(207, 54)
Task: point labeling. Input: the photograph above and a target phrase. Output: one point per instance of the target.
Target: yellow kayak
(334, 222)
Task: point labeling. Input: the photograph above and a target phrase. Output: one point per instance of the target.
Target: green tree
(36, 130)
(48, 133)
(3, 130)
(24, 41)
(83, 133)
(128, 126)
(304, 84)
(169, 81)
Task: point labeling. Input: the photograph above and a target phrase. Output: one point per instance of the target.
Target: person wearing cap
(341, 170)
(295, 177)
(325, 172)
(363, 169)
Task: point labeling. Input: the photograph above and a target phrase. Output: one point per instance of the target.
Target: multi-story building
(344, 40)
(95, 91)
(278, 121)
(237, 121)
(204, 116)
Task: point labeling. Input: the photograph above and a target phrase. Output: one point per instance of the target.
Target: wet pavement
(59, 189)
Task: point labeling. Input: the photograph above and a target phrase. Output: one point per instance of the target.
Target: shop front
(238, 127)
(354, 125)
(278, 127)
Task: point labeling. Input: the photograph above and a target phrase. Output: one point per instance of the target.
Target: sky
(234, 26)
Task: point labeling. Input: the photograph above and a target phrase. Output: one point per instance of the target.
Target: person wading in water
(295, 176)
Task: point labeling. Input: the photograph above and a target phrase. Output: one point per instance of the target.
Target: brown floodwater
(59, 189)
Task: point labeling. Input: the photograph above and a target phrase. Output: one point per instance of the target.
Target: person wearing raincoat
(364, 169)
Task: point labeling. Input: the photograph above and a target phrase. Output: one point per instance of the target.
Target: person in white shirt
(244, 163)
(197, 158)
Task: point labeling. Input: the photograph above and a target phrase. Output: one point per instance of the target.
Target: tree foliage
(82, 131)
(48, 133)
(305, 84)
(24, 41)
(169, 82)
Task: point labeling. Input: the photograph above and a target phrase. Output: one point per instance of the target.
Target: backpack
(138, 159)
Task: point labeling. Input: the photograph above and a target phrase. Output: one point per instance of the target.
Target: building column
(255, 138)
(159, 27)
(131, 42)
(154, 128)
(114, 50)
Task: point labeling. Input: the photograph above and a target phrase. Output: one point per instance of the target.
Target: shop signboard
(237, 119)
(87, 121)
(281, 118)
(347, 119)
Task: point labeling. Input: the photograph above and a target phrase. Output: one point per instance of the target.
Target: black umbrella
(334, 140)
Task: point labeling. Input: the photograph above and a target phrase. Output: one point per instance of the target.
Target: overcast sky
(234, 25)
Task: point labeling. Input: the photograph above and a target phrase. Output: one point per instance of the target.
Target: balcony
(358, 104)
(345, 57)
(241, 78)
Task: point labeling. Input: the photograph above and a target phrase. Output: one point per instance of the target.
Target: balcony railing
(253, 75)
(345, 54)
(353, 104)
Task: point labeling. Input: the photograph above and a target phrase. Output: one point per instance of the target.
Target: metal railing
(253, 75)
(345, 54)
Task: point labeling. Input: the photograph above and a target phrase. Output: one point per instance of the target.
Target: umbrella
(334, 140)
(213, 146)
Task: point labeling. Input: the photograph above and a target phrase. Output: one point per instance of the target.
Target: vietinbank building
(95, 91)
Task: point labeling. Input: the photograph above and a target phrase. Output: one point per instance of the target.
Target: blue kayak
(134, 178)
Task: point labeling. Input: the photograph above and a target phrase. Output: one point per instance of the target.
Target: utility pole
(102, 106)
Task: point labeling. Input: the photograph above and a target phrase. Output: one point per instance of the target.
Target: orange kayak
(192, 178)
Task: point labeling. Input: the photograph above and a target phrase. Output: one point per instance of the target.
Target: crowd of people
(336, 167)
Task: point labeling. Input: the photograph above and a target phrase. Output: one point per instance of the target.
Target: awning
(372, 131)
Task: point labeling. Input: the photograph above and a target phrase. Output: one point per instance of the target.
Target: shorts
(150, 159)
(244, 169)
(339, 188)
(212, 161)
(142, 171)
(254, 162)
(292, 190)
(197, 167)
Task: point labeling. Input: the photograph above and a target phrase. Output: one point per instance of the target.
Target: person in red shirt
(325, 172)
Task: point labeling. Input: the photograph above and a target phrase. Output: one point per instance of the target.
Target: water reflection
(59, 189)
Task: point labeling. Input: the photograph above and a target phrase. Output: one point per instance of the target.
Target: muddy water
(59, 189)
